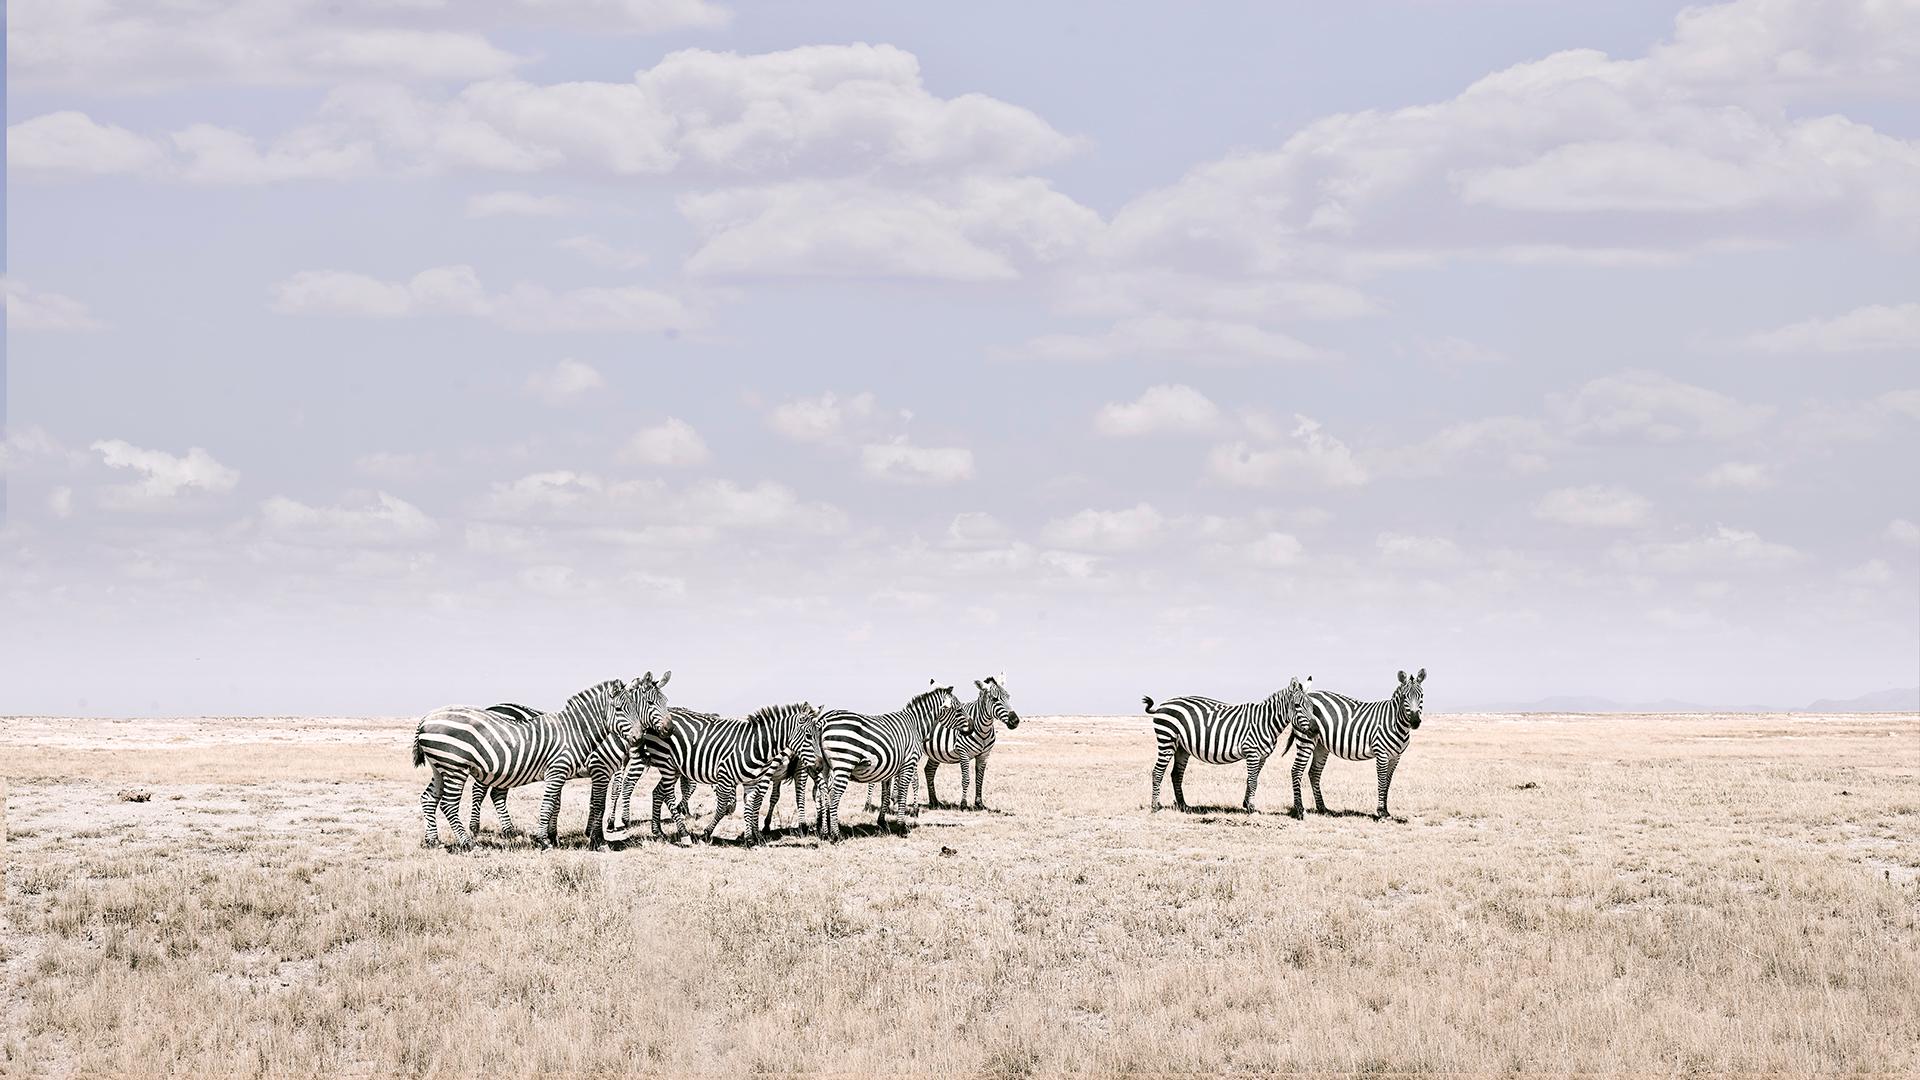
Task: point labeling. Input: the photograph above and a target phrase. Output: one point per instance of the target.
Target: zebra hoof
(1297, 814)
(685, 842)
(429, 842)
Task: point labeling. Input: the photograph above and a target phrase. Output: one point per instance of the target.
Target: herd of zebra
(614, 731)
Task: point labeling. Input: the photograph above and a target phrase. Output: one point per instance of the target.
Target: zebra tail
(1148, 702)
(419, 755)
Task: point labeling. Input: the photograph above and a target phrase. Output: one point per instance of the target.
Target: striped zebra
(1355, 730)
(803, 764)
(886, 748)
(593, 734)
(729, 754)
(948, 745)
(498, 796)
(1219, 734)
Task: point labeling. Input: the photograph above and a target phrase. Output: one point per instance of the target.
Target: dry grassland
(1597, 894)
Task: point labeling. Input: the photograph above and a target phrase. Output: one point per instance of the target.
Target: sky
(365, 356)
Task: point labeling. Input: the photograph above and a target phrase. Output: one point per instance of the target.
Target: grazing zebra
(1355, 730)
(498, 796)
(802, 764)
(854, 746)
(948, 745)
(730, 755)
(1219, 733)
(593, 734)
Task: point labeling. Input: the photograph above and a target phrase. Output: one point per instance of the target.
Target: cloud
(1521, 443)
(518, 203)
(1739, 475)
(1656, 407)
(975, 229)
(29, 309)
(1106, 530)
(1453, 352)
(1275, 549)
(456, 290)
(904, 462)
(1869, 574)
(1597, 505)
(696, 511)
(820, 419)
(1423, 552)
(1874, 328)
(129, 46)
(567, 381)
(1903, 532)
(384, 519)
(1314, 459)
(73, 142)
(600, 253)
(672, 443)
(1172, 407)
(976, 529)
(1721, 550)
(1203, 340)
(164, 475)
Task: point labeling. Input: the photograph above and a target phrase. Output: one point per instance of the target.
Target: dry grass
(1629, 894)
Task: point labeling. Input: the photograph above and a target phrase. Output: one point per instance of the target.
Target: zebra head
(1296, 712)
(941, 708)
(995, 703)
(1407, 698)
(645, 701)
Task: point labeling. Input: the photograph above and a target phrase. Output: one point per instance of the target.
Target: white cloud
(30, 309)
(1740, 475)
(600, 253)
(1171, 407)
(1657, 407)
(1456, 352)
(1721, 550)
(767, 505)
(1904, 532)
(1275, 549)
(819, 419)
(73, 142)
(1176, 337)
(976, 529)
(1106, 530)
(456, 290)
(60, 502)
(672, 443)
(518, 203)
(975, 229)
(1315, 459)
(696, 511)
(1876, 327)
(1794, 47)
(1417, 551)
(1597, 505)
(384, 519)
(902, 461)
(1520, 443)
(569, 380)
(166, 475)
(1868, 574)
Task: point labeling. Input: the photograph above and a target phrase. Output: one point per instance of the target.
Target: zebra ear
(1403, 676)
(1422, 677)
(665, 677)
(978, 685)
(648, 677)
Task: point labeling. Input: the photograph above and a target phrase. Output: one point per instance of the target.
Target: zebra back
(888, 742)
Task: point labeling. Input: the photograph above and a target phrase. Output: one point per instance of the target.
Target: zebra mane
(774, 712)
(599, 692)
(927, 696)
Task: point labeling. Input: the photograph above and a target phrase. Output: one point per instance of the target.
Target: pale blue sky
(374, 355)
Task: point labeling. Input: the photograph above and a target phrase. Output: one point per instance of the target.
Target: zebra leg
(1179, 773)
(450, 795)
(836, 786)
(1384, 764)
(1300, 758)
(479, 792)
(1162, 759)
(1319, 766)
(430, 809)
(773, 801)
(1255, 762)
(499, 797)
(800, 799)
(596, 808)
(661, 793)
(550, 811)
(933, 797)
(869, 805)
(979, 783)
(755, 793)
(726, 791)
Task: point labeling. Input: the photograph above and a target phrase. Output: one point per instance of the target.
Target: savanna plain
(1638, 894)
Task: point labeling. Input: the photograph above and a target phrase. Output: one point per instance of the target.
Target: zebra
(948, 746)
(1219, 733)
(802, 764)
(855, 746)
(1355, 730)
(498, 796)
(730, 755)
(592, 734)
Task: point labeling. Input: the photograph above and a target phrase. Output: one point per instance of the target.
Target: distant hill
(1904, 700)
(1900, 700)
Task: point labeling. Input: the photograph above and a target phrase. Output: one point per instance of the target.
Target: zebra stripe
(592, 735)
(498, 796)
(1355, 730)
(949, 745)
(886, 748)
(729, 754)
(1219, 734)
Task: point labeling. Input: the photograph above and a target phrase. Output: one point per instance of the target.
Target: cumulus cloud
(600, 253)
(1598, 505)
(163, 475)
(1722, 550)
(902, 461)
(1520, 443)
(1739, 475)
(671, 443)
(1274, 549)
(518, 203)
(73, 142)
(1404, 549)
(1874, 328)
(698, 511)
(457, 290)
(1174, 337)
(1106, 530)
(975, 529)
(1171, 407)
(1903, 532)
(1311, 458)
(31, 309)
(384, 519)
(567, 381)
(1657, 407)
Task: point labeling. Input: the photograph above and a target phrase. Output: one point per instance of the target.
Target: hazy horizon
(364, 357)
